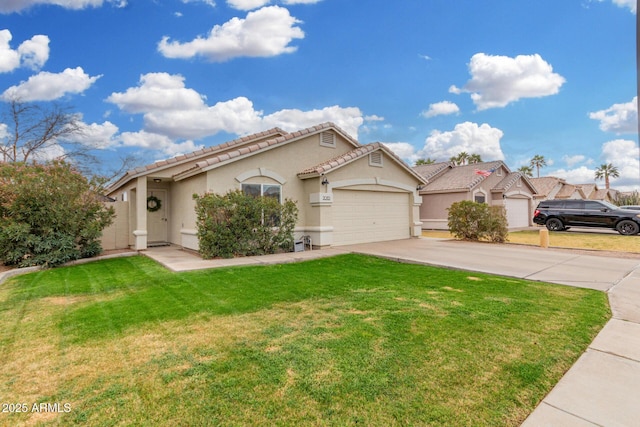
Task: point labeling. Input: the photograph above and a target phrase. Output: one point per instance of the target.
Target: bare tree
(35, 130)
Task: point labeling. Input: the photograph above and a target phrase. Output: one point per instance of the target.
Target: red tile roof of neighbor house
(510, 180)
(545, 184)
(431, 170)
(462, 178)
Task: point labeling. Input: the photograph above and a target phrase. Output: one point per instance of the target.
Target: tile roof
(462, 178)
(351, 156)
(510, 180)
(431, 170)
(174, 161)
(211, 162)
(338, 161)
(545, 184)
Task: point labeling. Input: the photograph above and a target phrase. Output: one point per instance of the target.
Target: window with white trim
(263, 190)
(480, 198)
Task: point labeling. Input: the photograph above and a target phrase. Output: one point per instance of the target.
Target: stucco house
(551, 187)
(488, 182)
(346, 192)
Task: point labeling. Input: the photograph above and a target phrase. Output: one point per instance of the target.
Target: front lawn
(348, 340)
(571, 239)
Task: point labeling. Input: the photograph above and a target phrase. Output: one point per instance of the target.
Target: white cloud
(468, 137)
(207, 2)
(619, 118)
(31, 53)
(157, 142)
(99, 136)
(348, 119)
(404, 150)
(264, 33)
(631, 4)
(35, 52)
(247, 4)
(573, 160)
(440, 109)
(175, 111)
(47, 86)
(580, 175)
(623, 154)
(373, 118)
(497, 81)
(158, 92)
(8, 6)
(254, 4)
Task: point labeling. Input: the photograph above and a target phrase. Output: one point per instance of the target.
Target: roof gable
(463, 178)
(189, 157)
(250, 150)
(358, 153)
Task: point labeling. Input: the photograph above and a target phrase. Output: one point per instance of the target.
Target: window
(265, 190)
(573, 204)
(479, 198)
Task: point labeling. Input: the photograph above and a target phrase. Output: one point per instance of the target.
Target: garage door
(369, 216)
(518, 212)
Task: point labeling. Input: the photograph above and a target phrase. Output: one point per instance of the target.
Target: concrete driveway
(603, 387)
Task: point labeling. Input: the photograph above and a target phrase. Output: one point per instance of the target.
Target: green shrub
(49, 214)
(477, 221)
(236, 224)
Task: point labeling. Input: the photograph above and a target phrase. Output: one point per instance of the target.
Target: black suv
(558, 215)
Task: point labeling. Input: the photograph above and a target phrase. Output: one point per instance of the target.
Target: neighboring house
(489, 182)
(550, 187)
(346, 192)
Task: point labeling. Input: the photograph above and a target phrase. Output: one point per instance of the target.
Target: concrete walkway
(601, 389)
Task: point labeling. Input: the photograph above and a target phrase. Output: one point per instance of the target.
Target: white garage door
(517, 212)
(369, 216)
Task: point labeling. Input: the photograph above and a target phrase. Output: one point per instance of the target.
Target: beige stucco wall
(116, 236)
(278, 165)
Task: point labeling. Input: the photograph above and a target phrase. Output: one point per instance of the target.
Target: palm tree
(526, 171)
(606, 171)
(460, 159)
(538, 162)
(474, 158)
(427, 161)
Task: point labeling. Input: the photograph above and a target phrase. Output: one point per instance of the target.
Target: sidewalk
(601, 389)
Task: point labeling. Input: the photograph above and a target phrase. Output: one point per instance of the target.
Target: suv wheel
(627, 228)
(554, 224)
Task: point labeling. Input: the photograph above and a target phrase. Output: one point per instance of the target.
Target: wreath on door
(153, 204)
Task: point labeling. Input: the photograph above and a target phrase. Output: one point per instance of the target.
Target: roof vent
(375, 159)
(328, 139)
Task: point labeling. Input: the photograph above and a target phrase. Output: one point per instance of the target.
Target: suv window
(573, 204)
(593, 206)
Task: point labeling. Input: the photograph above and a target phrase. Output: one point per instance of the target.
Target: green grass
(564, 239)
(348, 340)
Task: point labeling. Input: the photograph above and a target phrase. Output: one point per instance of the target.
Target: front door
(157, 216)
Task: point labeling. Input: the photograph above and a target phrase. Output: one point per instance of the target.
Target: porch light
(325, 181)
(157, 180)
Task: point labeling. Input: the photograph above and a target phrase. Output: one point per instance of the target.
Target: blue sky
(506, 79)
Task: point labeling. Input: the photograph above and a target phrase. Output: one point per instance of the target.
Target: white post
(140, 232)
